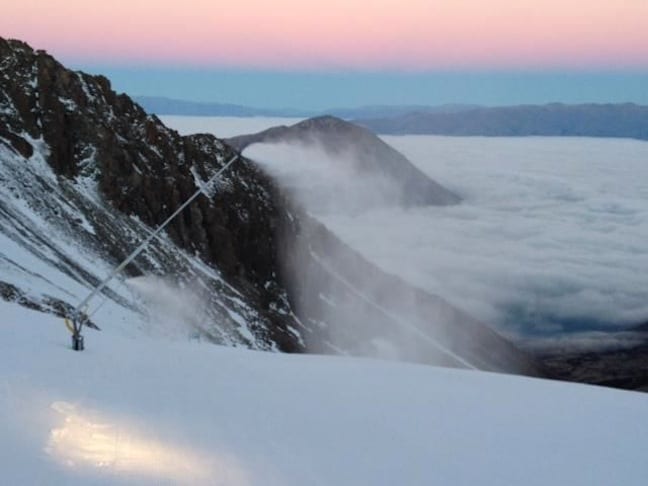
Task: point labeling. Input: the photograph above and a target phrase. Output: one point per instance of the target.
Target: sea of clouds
(549, 244)
(549, 240)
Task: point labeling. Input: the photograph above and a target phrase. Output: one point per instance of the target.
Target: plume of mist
(324, 182)
(548, 245)
(354, 307)
(174, 309)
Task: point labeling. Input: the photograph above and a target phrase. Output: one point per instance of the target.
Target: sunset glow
(379, 34)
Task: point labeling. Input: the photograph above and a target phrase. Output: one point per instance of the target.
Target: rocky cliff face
(91, 136)
(367, 154)
(86, 174)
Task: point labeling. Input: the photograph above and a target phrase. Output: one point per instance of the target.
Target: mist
(547, 247)
(173, 309)
(355, 307)
(325, 183)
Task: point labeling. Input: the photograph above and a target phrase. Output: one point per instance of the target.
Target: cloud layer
(551, 238)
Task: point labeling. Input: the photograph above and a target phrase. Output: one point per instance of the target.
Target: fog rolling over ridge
(352, 305)
(324, 184)
(360, 153)
(548, 244)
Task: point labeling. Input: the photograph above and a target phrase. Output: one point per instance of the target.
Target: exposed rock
(146, 170)
(623, 368)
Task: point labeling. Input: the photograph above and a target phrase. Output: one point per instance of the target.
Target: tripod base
(77, 342)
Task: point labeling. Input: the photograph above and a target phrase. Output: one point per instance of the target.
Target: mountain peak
(96, 170)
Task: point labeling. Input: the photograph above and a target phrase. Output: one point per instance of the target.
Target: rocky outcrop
(625, 368)
(142, 167)
(368, 154)
(145, 170)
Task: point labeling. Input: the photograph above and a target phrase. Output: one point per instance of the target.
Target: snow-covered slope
(150, 411)
(55, 249)
(86, 175)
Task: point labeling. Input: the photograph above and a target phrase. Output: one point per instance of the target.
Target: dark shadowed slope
(86, 171)
(367, 153)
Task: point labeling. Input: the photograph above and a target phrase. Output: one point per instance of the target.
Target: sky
(307, 54)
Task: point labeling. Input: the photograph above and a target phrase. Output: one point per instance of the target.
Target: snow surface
(142, 410)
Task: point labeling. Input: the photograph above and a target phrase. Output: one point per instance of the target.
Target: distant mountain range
(588, 120)
(388, 111)
(169, 106)
(624, 120)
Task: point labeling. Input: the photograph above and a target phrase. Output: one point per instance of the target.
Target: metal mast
(77, 318)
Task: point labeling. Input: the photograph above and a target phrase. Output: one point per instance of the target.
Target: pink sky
(307, 34)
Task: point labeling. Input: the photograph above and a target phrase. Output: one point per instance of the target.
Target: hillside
(86, 176)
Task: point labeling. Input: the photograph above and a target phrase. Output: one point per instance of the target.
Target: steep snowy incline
(86, 174)
(147, 411)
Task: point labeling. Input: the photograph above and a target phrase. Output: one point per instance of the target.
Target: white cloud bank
(552, 236)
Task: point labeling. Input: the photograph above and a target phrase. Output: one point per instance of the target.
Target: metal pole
(76, 317)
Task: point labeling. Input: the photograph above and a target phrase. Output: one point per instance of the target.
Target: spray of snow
(355, 320)
(174, 309)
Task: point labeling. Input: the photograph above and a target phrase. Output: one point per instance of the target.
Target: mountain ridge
(617, 120)
(624, 120)
(161, 105)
